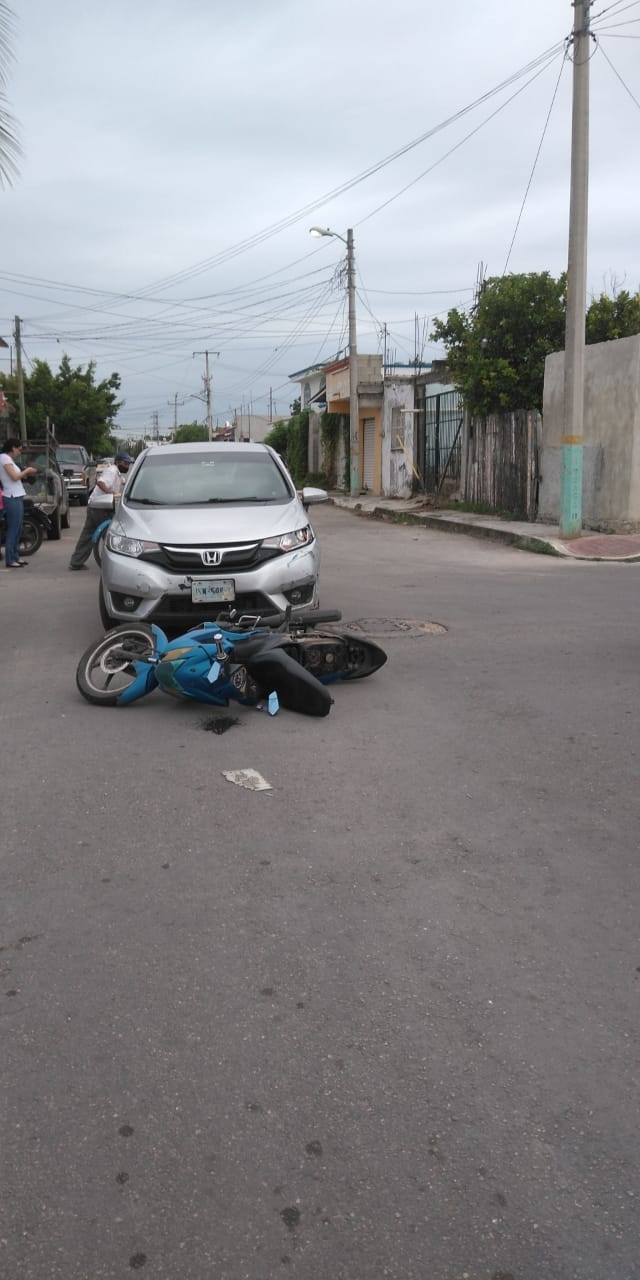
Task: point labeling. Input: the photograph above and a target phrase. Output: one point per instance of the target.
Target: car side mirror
(311, 496)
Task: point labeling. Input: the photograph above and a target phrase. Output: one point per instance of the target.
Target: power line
(282, 224)
(630, 22)
(619, 77)
(457, 145)
(419, 293)
(535, 163)
(618, 10)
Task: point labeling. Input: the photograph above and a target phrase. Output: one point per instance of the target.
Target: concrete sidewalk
(543, 538)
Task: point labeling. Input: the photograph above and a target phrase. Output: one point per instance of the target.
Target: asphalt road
(381, 1021)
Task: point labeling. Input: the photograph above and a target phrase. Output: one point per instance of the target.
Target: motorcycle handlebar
(304, 619)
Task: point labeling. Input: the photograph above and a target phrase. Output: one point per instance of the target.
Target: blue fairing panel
(144, 682)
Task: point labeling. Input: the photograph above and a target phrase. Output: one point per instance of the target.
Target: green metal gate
(439, 437)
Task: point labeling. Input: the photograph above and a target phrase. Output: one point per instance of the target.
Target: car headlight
(124, 546)
(290, 541)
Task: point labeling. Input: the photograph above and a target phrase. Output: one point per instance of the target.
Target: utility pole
(175, 412)
(354, 413)
(156, 428)
(207, 388)
(354, 417)
(270, 404)
(21, 406)
(572, 438)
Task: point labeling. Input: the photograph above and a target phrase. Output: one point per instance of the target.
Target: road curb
(526, 542)
(455, 524)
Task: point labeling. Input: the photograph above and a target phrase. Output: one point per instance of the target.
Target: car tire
(65, 519)
(98, 548)
(105, 617)
(54, 532)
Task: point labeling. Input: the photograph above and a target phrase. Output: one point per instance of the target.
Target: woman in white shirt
(11, 478)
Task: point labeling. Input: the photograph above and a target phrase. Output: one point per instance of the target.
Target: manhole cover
(390, 627)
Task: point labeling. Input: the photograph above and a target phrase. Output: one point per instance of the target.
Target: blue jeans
(13, 510)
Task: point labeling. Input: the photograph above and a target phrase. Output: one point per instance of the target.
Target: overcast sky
(158, 136)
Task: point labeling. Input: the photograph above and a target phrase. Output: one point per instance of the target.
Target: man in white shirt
(100, 507)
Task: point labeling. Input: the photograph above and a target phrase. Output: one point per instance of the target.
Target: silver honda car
(202, 528)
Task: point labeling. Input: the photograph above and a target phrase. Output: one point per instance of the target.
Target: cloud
(158, 136)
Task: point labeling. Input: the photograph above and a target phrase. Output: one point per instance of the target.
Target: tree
(496, 354)
(81, 410)
(190, 432)
(613, 317)
(9, 146)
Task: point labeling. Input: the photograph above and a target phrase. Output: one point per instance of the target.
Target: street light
(354, 417)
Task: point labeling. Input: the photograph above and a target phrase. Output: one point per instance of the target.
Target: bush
(298, 446)
(278, 438)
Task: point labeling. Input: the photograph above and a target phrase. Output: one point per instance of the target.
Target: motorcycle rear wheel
(106, 668)
(31, 537)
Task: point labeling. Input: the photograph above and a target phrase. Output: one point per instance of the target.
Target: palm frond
(10, 149)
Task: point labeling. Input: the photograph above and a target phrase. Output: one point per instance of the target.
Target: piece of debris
(219, 724)
(250, 779)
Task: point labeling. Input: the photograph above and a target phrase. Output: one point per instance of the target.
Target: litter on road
(250, 779)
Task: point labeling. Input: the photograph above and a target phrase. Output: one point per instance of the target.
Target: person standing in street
(13, 492)
(100, 506)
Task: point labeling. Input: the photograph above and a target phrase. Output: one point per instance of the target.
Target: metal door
(368, 453)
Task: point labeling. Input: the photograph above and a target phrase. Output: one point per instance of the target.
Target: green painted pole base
(571, 491)
(354, 472)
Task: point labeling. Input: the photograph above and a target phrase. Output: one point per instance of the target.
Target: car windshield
(196, 479)
(70, 456)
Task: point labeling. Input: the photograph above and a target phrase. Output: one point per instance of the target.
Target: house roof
(312, 368)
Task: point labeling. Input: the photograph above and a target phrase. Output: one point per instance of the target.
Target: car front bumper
(77, 487)
(152, 592)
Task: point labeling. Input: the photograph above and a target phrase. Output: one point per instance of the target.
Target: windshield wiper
(148, 502)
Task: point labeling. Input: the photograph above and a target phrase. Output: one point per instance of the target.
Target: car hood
(188, 525)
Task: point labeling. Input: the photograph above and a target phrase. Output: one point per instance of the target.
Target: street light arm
(326, 231)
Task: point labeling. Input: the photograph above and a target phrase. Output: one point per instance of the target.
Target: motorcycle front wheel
(107, 667)
(31, 537)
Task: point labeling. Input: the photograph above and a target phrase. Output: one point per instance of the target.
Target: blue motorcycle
(275, 661)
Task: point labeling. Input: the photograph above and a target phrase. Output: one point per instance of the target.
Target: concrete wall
(369, 372)
(611, 487)
(397, 476)
(253, 426)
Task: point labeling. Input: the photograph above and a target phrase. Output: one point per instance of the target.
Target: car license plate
(204, 591)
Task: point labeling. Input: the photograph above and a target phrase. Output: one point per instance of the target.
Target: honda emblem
(211, 557)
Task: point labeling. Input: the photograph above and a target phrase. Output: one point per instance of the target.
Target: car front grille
(183, 606)
(233, 556)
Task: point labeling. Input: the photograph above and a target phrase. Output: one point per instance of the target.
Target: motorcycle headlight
(124, 546)
(290, 541)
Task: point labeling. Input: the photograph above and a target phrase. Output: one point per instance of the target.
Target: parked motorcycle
(36, 526)
(236, 658)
